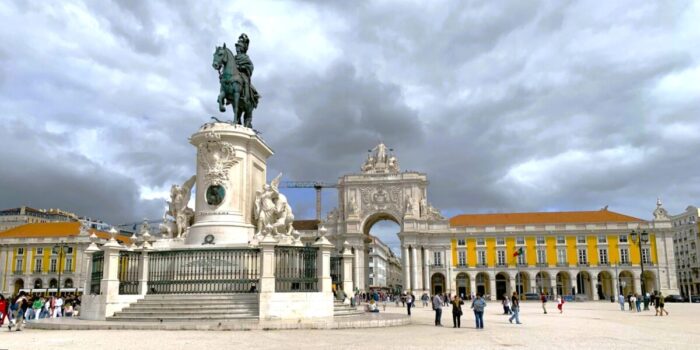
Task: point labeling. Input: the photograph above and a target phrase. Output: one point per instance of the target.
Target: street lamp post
(640, 238)
(60, 250)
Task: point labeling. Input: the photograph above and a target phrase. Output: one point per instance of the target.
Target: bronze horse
(232, 84)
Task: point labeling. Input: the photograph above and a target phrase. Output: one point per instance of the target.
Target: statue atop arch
(380, 160)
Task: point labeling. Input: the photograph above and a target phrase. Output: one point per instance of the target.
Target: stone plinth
(231, 167)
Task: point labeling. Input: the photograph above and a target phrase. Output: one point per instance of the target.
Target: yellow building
(30, 262)
(589, 254)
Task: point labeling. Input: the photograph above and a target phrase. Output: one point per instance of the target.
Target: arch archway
(68, 283)
(584, 284)
(437, 283)
(626, 283)
(19, 284)
(543, 282)
(604, 286)
(502, 285)
(38, 283)
(53, 283)
(482, 284)
(463, 289)
(564, 283)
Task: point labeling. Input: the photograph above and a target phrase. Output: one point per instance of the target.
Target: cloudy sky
(507, 106)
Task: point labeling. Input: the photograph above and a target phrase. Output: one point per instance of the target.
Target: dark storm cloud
(505, 105)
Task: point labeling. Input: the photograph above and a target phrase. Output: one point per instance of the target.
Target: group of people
(636, 301)
(439, 301)
(27, 307)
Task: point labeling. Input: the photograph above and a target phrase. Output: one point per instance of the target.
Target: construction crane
(317, 185)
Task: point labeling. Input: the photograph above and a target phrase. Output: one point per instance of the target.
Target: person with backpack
(515, 307)
(478, 306)
(543, 298)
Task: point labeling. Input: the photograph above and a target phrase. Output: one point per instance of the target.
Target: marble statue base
(231, 167)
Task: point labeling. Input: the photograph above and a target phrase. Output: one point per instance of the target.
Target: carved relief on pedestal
(216, 157)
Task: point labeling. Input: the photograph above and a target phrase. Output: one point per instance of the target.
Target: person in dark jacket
(515, 307)
(457, 312)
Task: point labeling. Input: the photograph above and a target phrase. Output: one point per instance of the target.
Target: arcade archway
(437, 283)
(463, 289)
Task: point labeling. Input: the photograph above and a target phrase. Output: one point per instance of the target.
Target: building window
(19, 265)
(521, 258)
(39, 251)
(541, 256)
(371, 269)
(622, 239)
(520, 240)
(481, 257)
(624, 256)
(437, 258)
(38, 264)
(20, 251)
(581, 239)
(500, 241)
(602, 239)
(69, 250)
(69, 265)
(603, 256)
(645, 256)
(561, 240)
(462, 258)
(480, 242)
(540, 239)
(501, 255)
(52, 265)
(582, 256)
(561, 256)
(460, 242)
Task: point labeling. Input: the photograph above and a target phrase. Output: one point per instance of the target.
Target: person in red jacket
(3, 310)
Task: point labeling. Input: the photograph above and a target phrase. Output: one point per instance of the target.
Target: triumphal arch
(381, 191)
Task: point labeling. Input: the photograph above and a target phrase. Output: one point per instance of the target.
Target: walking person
(506, 305)
(437, 306)
(21, 305)
(4, 307)
(409, 303)
(621, 300)
(560, 304)
(515, 308)
(457, 311)
(660, 300)
(633, 301)
(543, 299)
(478, 306)
(425, 298)
(638, 302)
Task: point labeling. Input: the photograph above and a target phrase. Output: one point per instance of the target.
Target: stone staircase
(190, 307)
(340, 309)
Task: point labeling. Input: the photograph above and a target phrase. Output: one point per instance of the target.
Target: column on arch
(426, 269)
(448, 270)
(406, 268)
(492, 286)
(414, 263)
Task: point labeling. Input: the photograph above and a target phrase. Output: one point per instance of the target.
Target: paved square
(598, 325)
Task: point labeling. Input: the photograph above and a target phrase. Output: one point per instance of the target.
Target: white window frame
(481, 257)
(604, 239)
(461, 242)
(39, 251)
(646, 255)
(603, 256)
(500, 241)
(579, 239)
(462, 258)
(480, 242)
(582, 255)
(53, 265)
(522, 258)
(624, 256)
(561, 256)
(437, 258)
(561, 239)
(541, 240)
(622, 239)
(501, 257)
(20, 251)
(541, 256)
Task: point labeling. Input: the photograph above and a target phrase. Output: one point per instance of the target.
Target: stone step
(162, 313)
(188, 311)
(215, 302)
(184, 318)
(183, 308)
(247, 296)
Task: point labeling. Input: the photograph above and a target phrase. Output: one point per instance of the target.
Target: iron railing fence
(337, 270)
(96, 271)
(129, 272)
(295, 269)
(203, 271)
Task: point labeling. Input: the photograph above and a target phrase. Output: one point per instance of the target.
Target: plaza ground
(599, 325)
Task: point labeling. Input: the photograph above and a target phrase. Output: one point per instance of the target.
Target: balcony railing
(583, 264)
(19, 272)
(562, 264)
(604, 263)
(462, 266)
(481, 265)
(542, 264)
(501, 265)
(37, 270)
(523, 264)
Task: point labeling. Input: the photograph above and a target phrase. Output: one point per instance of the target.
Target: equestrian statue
(234, 77)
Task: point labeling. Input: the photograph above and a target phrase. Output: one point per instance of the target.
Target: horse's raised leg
(220, 99)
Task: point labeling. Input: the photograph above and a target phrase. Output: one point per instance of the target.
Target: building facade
(686, 243)
(14, 217)
(589, 254)
(31, 261)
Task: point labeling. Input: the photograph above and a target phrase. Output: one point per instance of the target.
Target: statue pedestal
(231, 167)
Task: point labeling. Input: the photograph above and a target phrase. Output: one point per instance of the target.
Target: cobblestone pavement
(591, 325)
